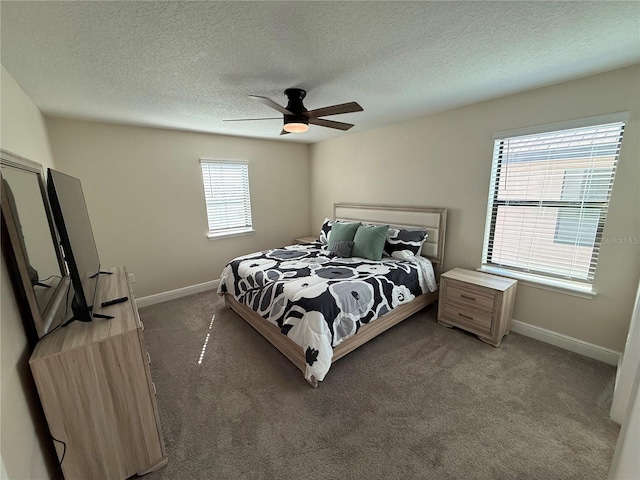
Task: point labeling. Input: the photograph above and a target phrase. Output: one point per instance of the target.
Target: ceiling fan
(297, 118)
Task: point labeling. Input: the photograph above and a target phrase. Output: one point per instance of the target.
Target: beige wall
(143, 189)
(445, 160)
(24, 447)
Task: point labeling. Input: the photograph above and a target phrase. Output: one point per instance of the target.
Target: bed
(316, 307)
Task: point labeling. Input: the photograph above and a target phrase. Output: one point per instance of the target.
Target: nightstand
(306, 239)
(477, 302)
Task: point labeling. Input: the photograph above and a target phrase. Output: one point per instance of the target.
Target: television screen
(76, 237)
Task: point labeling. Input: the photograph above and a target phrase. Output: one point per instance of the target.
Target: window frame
(233, 230)
(548, 281)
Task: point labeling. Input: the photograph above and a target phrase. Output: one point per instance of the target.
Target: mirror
(29, 242)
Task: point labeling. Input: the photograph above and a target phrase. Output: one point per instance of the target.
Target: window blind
(548, 201)
(227, 198)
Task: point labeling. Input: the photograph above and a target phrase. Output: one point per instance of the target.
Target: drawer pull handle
(155, 392)
(467, 297)
(148, 358)
(465, 316)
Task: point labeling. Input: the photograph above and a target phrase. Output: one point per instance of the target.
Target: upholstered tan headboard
(434, 220)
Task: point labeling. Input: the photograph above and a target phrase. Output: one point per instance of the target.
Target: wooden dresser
(477, 302)
(95, 387)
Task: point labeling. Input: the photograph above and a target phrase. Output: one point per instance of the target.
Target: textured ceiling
(189, 65)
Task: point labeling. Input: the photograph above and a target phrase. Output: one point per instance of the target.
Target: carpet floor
(418, 402)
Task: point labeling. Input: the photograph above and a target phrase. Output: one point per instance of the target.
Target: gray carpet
(418, 402)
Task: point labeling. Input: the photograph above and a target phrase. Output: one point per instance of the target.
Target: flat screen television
(71, 217)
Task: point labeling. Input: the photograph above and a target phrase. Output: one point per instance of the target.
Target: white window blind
(548, 201)
(226, 191)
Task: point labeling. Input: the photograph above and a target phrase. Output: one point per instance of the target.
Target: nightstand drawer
(468, 295)
(468, 317)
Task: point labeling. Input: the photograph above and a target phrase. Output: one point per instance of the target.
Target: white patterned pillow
(400, 238)
(325, 231)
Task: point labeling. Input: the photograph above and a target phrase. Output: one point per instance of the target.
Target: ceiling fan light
(296, 127)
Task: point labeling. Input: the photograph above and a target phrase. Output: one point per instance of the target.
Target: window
(548, 202)
(226, 193)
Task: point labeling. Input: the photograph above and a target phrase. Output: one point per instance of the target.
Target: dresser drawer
(473, 296)
(475, 320)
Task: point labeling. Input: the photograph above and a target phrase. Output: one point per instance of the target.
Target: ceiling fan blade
(251, 119)
(270, 103)
(330, 123)
(284, 132)
(334, 110)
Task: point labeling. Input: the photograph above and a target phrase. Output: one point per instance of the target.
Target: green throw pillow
(369, 241)
(342, 231)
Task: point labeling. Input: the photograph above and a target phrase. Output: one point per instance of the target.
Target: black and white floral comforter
(319, 301)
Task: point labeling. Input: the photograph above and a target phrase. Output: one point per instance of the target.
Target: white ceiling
(189, 65)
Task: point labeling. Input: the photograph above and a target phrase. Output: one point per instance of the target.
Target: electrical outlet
(132, 278)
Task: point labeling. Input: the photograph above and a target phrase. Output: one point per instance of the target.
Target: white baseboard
(173, 294)
(568, 343)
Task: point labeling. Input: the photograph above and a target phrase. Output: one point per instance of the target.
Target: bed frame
(434, 219)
